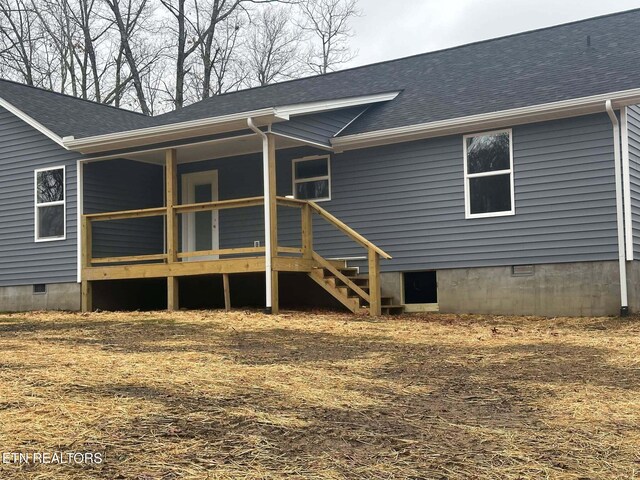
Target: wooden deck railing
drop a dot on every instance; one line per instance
(374, 253)
(305, 251)
(89, 219)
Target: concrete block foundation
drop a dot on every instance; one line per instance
(391, 286)
(58, 296)
(563, 289)
(633, 285)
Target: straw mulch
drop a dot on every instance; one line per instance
(321, 396)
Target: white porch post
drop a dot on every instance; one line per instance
(270, 216)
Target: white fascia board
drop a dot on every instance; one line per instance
(31, 122)
(287, 111)
(171, 131)
(503, 118)
(174, 131)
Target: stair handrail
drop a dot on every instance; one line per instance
(337, 223)
(374, 253)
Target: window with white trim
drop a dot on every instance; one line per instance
(312, 178)
(50, 207)
(488, 174)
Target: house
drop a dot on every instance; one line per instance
(497, 177)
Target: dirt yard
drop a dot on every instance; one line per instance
(244, 395)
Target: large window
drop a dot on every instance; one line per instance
(312, 178)
(488, 174)
(50, 214)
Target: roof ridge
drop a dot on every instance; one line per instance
(423, 54)
(46, 90)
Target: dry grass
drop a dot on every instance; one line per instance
(243, 395)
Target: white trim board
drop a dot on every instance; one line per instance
(189, 181)
(169, 132)
(31, 122)
(487, 121)
(467, 176)
(287, 111)
(626, 183)
(36, 205)
(203, 126)
(326, 177)
(129, 155)
(79, 213)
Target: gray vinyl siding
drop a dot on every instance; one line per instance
(124, 185)
(633, 118)
(22, 260)
(409, 199)
(318, 128)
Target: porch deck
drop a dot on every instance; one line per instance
(355, 292)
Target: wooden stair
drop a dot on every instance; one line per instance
(347, 286)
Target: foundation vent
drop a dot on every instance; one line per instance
(522, 270)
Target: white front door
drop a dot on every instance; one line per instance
(200, 229)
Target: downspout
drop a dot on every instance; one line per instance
(624, 302)
(267, 216)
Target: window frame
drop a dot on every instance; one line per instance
(326, 177)
(36, 205)
(468, 176)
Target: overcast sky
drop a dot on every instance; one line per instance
(398, 28)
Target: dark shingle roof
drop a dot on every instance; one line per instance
(66, 115)
(531, 68)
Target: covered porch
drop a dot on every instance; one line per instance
(187, 230)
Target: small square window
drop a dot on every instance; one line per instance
(488, 174)
(312, 178)
(39, 289)
(50, 207)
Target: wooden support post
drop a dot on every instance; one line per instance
(171, 193)
(87, 240)
(307, 231)
(227, 291)
(86, 296)
(375, 300)
(275, 293)
(173, 293)
(273, 216)
(86, 292)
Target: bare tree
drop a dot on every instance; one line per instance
(273, 47)
(84, 18)
(228, 69)
(20, 38)
(217, 50)
(327, 21)
(130, 53)
(128, 21)
(220, 66)
(196, 23)
(55, 21)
